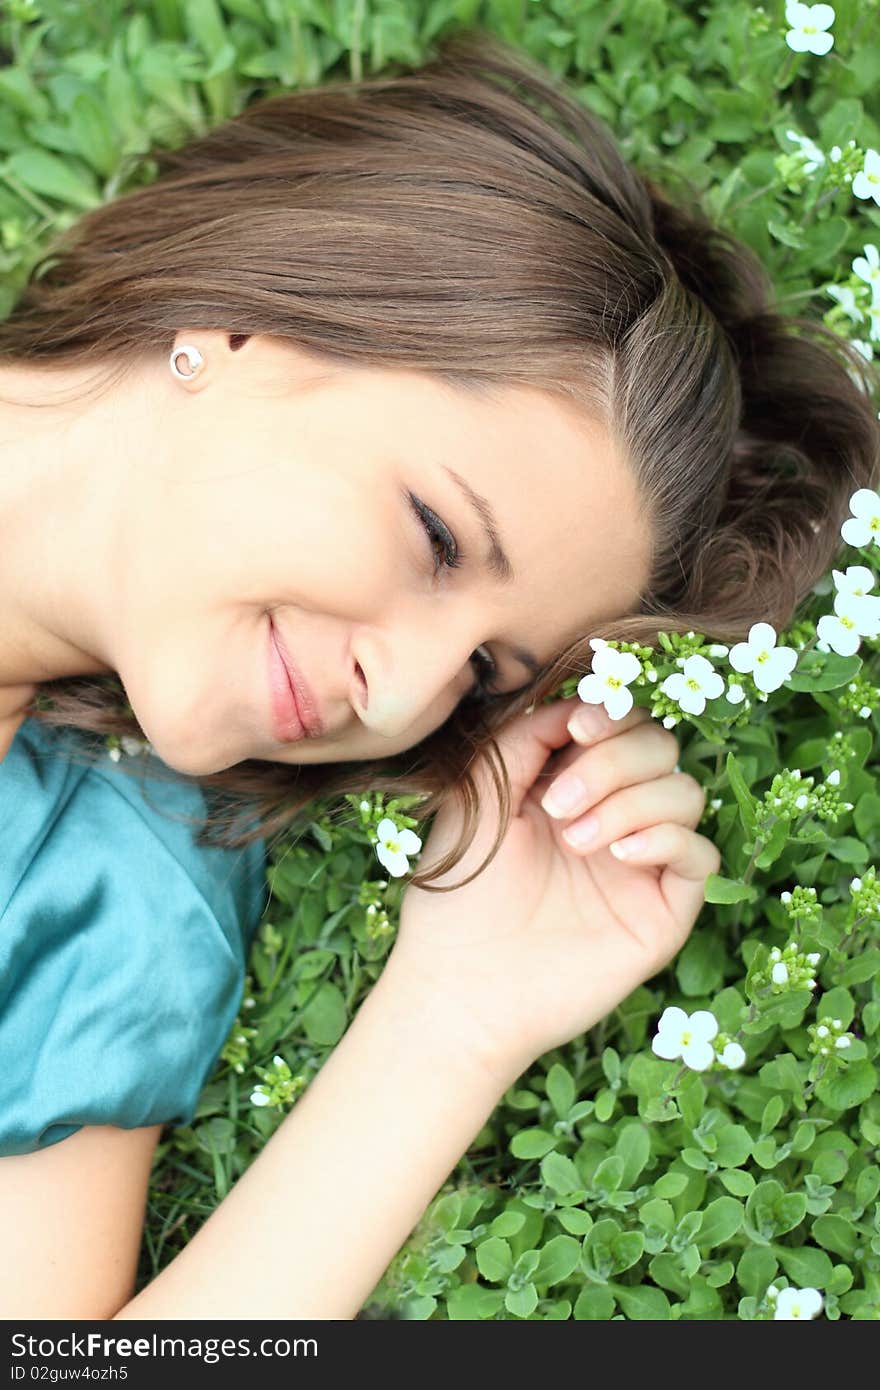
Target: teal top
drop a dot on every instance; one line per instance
(123, 945)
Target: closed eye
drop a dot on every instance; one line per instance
(450, 556)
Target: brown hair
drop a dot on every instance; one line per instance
(438, 220)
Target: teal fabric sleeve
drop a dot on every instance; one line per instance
(123, 945)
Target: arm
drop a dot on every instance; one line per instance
(363, 1152)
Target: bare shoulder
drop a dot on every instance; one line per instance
(72, 1219)
(14, 700)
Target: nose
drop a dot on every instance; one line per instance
(402, 672)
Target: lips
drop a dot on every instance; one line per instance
(306, 704)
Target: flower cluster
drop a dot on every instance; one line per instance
(132, 747)
(237, 1048)
(802, 905)
(787, 969)
(279, 1086)
(865, 894)
(828, 1037)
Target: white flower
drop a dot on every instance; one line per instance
(278, 1061)
(864, 526)
(779, 973)
(365, 806)
(813, 155)
(813, 957)
(866, 184)
(844, 1041)
(394, 845)
(846, 298)
(607, 682)
(259, 1098)
(735, 693)
(114, 754)
(856, 612)
(798, 1303)
(686, 1036)
(833, 778)
(694, 684)
(809, 23)
(770, 666)
(867, 268)
(855, 584)
(133, 746)
(669, 721)
(733, 1056)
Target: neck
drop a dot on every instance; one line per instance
(54, 511)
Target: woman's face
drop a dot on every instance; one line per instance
(272, 484)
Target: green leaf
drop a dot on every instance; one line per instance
(62, 179)
(805, 1266)
(560, 1174)
(740, 1183)
(626, 1250)
(671, 1184)
(721, 1220)
(521, 1302)
(835, 1234)
(507, 1223)
(325, 1018)
(728, 890)
(789, 1212)
(634, 1149)
(734, 1146)
(468, 1302)
(595, 1303)
(746, 802)
(532, 1143)
(643, 1302)
(823, 671)
(756, 1270)
(700, 966)
(849, 1087)
(560, 1089)
(559, 1257)
(494, 1259)
(608, 1176)
(575, 1220)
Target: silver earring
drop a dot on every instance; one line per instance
(193, 356)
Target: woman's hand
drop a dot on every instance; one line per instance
(547, 939)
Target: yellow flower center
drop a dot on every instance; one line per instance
(763, 656)
(686, 1039)
(615, 682)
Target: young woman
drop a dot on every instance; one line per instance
(420, 388)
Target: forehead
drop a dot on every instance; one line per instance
(569, 510)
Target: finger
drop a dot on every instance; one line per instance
(676, 798)
(589, 723)
(687, 859)
(643, 752)
(524, 744)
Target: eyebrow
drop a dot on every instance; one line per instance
(497, 562)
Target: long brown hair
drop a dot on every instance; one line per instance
(437, 220)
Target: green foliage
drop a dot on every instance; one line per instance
(608, 1183)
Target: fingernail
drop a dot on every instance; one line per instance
(584, 725)
(582, 832)
(567, 792)
(631, 845)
